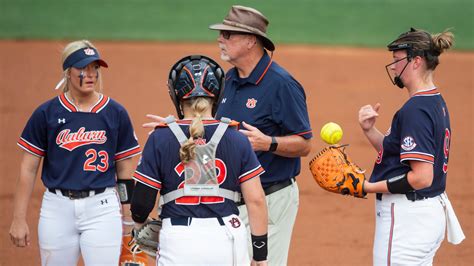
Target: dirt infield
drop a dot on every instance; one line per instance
(337, 82)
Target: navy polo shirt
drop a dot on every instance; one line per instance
(274, 102)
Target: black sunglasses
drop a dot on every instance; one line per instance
(227, 33)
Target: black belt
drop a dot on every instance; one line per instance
(413, 196)
(273, 188)
(186, 221)
(77, 194)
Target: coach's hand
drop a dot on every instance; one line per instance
(259, 141)
(20, 233)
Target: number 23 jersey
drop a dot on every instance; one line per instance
(80, 149)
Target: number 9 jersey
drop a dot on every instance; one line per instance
(79, 148)
(420, 131)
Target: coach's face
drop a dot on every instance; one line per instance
(84, 79)
(233, 44)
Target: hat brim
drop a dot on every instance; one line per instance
(228, 27)
(86, 61)
(267, 43)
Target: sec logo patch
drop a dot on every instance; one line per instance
(408, 143)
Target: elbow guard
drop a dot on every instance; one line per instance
(399, 185)
(125, 190)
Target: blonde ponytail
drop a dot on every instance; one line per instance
(196, 130)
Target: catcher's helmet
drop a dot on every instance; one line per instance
(195, 76)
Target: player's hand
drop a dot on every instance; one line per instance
(367, 116)
(156, 120)
(20, 233)
(259, 141)
(259, 263)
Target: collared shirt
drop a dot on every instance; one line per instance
(420, 131)
(274, 102)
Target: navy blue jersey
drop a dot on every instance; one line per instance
(161, 168)
(79, 148)
(420, 131)
(274, 102)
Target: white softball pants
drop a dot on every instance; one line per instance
(204, 241)
(407, 232)
(90, 226)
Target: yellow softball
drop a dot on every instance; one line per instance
(331, 133)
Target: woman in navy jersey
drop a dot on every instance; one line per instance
(409, 175)
(199, 165)
(85, 140)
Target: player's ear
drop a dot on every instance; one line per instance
(417, 62)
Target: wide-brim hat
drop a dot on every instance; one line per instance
(249, 20)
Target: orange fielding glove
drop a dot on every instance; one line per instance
(334, 171)
(131, 255)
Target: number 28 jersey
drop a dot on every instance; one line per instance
(80, 149)
(161, 169)
(420, 131)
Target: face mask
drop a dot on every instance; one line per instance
(397, 80)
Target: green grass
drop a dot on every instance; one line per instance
(328, 22)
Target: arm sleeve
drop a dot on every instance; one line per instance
(127, 142)
(34, 136)
(416, 136)
(143, 202)
(290, 110)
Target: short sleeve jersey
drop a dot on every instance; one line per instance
(274, 102)
(80, 149)
(161, 168)
(420, 131)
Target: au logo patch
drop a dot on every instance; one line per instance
(234, 222)
(89, 51)
(251, 103)
(408, 143)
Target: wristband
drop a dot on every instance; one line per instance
(260, 247)
(399, 185)
(125, 190)
(273, 145)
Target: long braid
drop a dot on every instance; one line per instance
(196, 130)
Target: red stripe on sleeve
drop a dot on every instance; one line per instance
(304, 133)
(128, 154)
(147, 181)
(408, 156)
(251, 175)
(30, 148)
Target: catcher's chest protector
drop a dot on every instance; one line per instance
(200, 177)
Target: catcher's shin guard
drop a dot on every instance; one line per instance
(131, 255)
